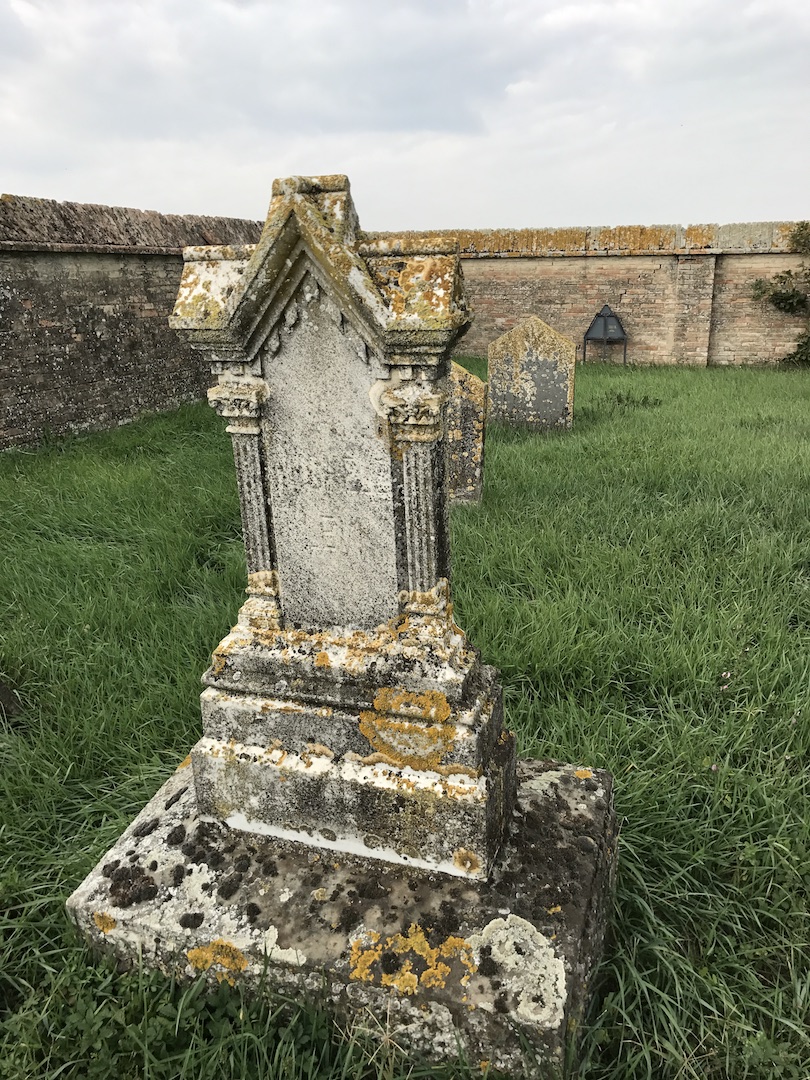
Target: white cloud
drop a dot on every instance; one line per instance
(485, 112)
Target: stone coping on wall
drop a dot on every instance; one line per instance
(32, 224)
(600, 240)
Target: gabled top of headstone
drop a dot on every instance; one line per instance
(533, 336)
(397, 290)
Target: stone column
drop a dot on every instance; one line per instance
(240, 404)
(414, 411)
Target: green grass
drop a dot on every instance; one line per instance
(642, 582)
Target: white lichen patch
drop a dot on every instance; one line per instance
(529, 968)
(274, 952)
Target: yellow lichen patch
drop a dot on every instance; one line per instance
(322, 659)
(403, 980)
(220, 954)
(104, 922)
(421, 964)
(583, 774)
(404, 743)
(700, 236)
(184, 764)
(430, 705)
(366, 950)
(319, 750)
(466, 860)
(554, 910)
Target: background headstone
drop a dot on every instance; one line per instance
(531, 377)
(466, 427)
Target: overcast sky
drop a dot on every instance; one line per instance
(444, 113)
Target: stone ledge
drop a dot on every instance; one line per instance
(496, 971)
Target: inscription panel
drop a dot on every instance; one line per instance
(329, 477)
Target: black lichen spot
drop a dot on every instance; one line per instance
(269, 868)
(176, 836)
(178, 795)
(131, 885)
(338, 889)
(188, 848)
(519, 950)
(153, 866)
(448, 921)
(145, 827)
(191, 920)
(501, 1003)
(488, 967)
(242, 864)
(215, 859)
(108, 868)
(229, 886)
(253, 911)
(371, 890)
(390, 963)
(178, 874)
(348, 920)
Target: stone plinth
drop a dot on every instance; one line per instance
(531, 377)
(466, 425)
(496, 970)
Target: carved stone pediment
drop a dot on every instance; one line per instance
(395, 292)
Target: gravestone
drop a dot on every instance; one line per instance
(352, 823)
(466, 426)
(531, 377)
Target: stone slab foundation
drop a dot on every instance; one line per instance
(494, 971)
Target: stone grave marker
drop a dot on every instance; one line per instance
(531, 377)
(352, 823)
(466, 427)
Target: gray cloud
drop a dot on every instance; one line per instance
(461, 112)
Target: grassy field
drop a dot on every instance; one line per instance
(643, 583)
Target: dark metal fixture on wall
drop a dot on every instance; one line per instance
(607, 328)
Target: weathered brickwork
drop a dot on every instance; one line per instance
(85, 293)
(683, 293)
(566, 293)
(745, 331)
(85, 342)
(85, 296)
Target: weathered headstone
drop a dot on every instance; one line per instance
(531, 377)
(466, 426)
(352, 822)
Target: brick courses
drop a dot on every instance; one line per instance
(85, 294)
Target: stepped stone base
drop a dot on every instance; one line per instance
(493, 971)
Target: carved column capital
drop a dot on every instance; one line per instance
(414, 410)
(239, 403)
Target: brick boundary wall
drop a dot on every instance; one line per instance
(85, 296)
(683, 293)
(86, 291)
